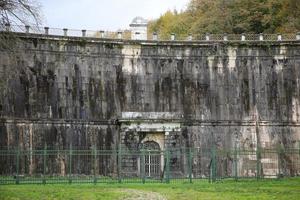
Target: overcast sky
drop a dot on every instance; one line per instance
(103, 14)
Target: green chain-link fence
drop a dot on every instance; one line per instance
(91, 165)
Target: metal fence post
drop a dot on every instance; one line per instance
(167, 166)
(45, 164)
(18, 165)
(94, 151)
(299, 147)
(70, 164)
(210, 166)
(213, 164)
(235, 163)
(258, 157)
(190, 164)
(279, 151)
(119, 164)
(143, 166)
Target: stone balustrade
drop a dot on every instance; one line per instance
(126, 35)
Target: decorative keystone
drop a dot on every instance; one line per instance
(261, 37)
(119, 35)
(65, 31)
(27, 29)
(154, 36)
(83, 33)
(46, 30)
(173, 36)
(279, 37)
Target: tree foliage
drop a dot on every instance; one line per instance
(170, 22)
(231, 16)
(17, 12)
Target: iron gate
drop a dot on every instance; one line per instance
(152, 160)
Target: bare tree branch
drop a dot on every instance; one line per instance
(21, 11)
(17, 12)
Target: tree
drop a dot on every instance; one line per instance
(24, 12)
(289, 16)
(19, 12)
(234, 16)
(210, 16)
(170, 22)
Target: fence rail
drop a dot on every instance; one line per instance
(91, 165)
(126, 35)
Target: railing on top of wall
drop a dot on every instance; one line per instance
(126, 35)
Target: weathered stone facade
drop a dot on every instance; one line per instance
(63, 91)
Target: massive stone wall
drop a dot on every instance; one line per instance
(60, 90)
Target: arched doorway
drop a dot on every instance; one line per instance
(152, 159)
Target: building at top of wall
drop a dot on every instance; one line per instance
(138, 28)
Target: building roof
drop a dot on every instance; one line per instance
(139, 21)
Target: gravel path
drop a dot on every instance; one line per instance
(142, 195)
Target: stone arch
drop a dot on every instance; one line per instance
(158, 138)
(151, 145)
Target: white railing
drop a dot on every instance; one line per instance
(126, 35)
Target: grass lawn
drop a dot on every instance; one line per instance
(226, 190)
